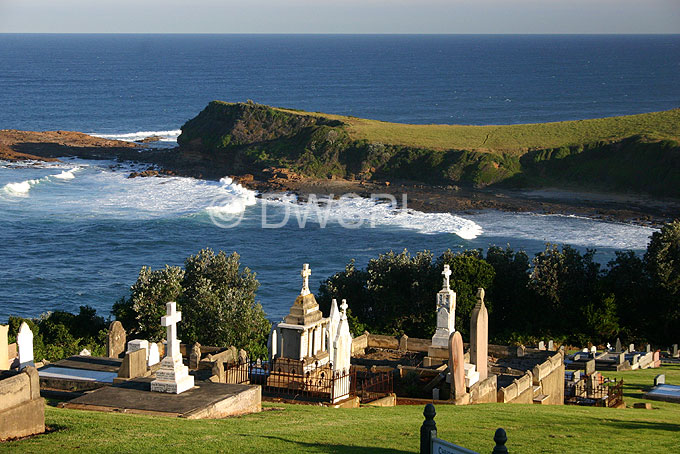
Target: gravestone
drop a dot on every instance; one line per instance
(631, 348)
(154, 355)
(660, 380)
(676, 354)
(138, 344)
(334, 322)
(593, 350)
(173, 376)
(456, 365)
(342, 345)
(435, 393)
(446, 312)
(133, 365)
(115, 340)
(648, 348)
(551, 345)
(25, 346)
(195, 356)
(590, 367)
(4, 350)
(521, 351)
(479, 336)
(85, 352)
(541, 345)
(618, 348)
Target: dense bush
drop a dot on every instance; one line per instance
(216, 297)
(59, 334)
(561, 293)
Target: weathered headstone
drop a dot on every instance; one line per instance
(618, 348)
(541, 345)
(593, 350)
(333, 323)
(115, 340)
(551, 345)
(195, 356)
(631, 348)
(446, 312)
(660, 380)
(590, 367)
(154, 355)
(342, 345)
(173, 376)
(138, 344)
(521, 351)
(134, 364)
(648, 348)
(479, 336)
(457, 365)
(25, 346)
(4, 351)
(85, 352)
(675, 352)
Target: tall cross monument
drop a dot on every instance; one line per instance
(446, 312)
(305, 273)
(173, 376)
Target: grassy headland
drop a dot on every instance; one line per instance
(630, 154)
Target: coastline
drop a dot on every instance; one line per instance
(611, 207)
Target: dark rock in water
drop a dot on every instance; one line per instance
(145, 173)
(149, 139)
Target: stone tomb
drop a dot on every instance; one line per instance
(203, 401)
(445, 308)
(303, 335)
(79, 374)
(22, 410)
(173, 376)
(665, 393)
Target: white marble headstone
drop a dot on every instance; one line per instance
(154, 355)
(25, 346)
(138, 344)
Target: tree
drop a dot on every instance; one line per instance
(216, 297)
(628, 281)
(662, 262)
(513, 305)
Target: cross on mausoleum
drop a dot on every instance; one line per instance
(170, 321)
(344, 306)
(446, 273)
(306, 272)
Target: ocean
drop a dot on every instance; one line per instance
(78, 232)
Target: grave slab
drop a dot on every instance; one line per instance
(665, 393)
(206, 400)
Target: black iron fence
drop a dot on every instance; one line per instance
(609, 393)
(291, 379)
(373, 386)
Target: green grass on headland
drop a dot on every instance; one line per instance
(311, 429)
(637, 153)
(512, 138)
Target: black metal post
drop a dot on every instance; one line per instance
(428, 429)
(500, 438)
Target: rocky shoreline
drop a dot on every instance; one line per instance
(628, 208)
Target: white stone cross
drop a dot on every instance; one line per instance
(306, 272)
(170, 321)
(344, 306)
(446, 273)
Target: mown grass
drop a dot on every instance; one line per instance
(312, 429)
(511, 138)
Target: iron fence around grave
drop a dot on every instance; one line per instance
(373, 386)
(606, 394)
(287, 378)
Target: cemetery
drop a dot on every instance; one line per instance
(314, 359)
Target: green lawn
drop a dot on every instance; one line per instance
(511, 138)
(311, 429)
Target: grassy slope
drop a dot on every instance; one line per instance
(310, 429)
(511, 138)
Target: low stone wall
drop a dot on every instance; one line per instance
(521, 391)
(485, 391)
(22, 410)
(359, 344)
(549, 375)
(379, 341)
(405, 343)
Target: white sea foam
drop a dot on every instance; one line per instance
(20, 188)
(166, 138)
(356, 212)
(66, 174)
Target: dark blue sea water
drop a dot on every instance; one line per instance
(72, 237)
